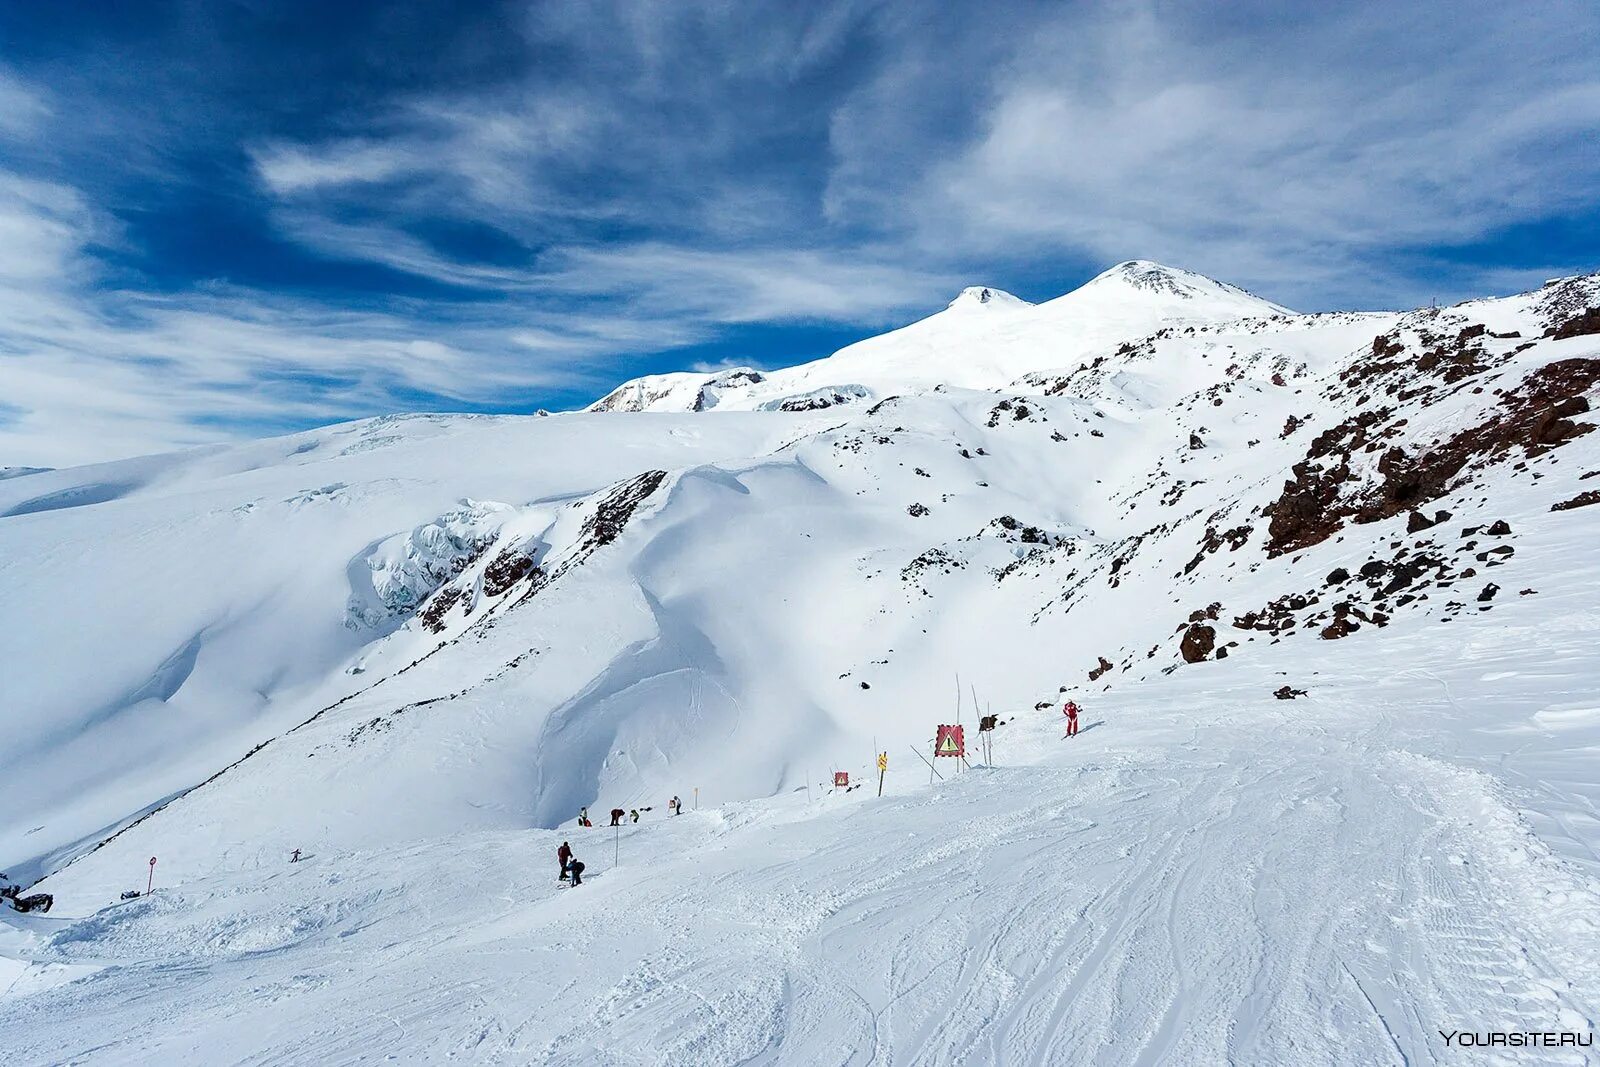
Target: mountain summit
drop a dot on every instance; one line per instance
(984, 339)
(987, 296)
(1172, 292)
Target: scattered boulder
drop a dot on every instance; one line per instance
(917, 511)
(1498, 528)
(1105, 665)
(1342, 626)
(1198, 642)
(1488, 593)
(1417, 521)
(1288, 692)
(1195, 442)
(1338, 576)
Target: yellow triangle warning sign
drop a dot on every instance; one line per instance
(947, 745)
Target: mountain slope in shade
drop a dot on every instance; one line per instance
(984, 339)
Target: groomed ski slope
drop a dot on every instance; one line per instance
(1205, 875)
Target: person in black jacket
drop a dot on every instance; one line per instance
(577, 872)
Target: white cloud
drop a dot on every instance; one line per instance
(23, 108)
(291, 169)
(1118, 137)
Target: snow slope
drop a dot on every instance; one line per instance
(164, 615)
(458, 632)
(1205, 875)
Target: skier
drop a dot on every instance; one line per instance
(564, 854)
(583, 817)
(634, 814)
(616, 816)
(577, 872)
(295, 857)
(1071, 712)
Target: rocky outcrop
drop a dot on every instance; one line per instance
(1582, 324)
(1198, 642)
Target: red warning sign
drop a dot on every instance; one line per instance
(950, 742)
(841, 779)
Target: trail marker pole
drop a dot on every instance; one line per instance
(616, 846)
(149, 883)
(883, 765)
(931, 767)
(696, 798)
(958, 716)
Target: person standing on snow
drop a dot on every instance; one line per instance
(616, 816)
(676, 805)
(577, 872)
(635, 814)
(1071, 712)
(583, 816)
(564, 854)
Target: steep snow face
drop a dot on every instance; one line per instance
(163, 615)
(393, 579)
(984, 339)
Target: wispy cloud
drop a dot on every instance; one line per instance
(519, 203)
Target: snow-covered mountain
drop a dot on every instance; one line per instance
(985, 339)
(1324, 585)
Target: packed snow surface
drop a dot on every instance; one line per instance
(1324, 585)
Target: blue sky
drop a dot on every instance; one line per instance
(231, 219)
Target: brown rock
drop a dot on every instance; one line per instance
(1198, 641)
(1582, 500)
(1343, 626)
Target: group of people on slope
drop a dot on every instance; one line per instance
(572, 868)
(632, 814)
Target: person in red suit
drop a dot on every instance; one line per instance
(1071, 712)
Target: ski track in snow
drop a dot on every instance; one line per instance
(1243, 883)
